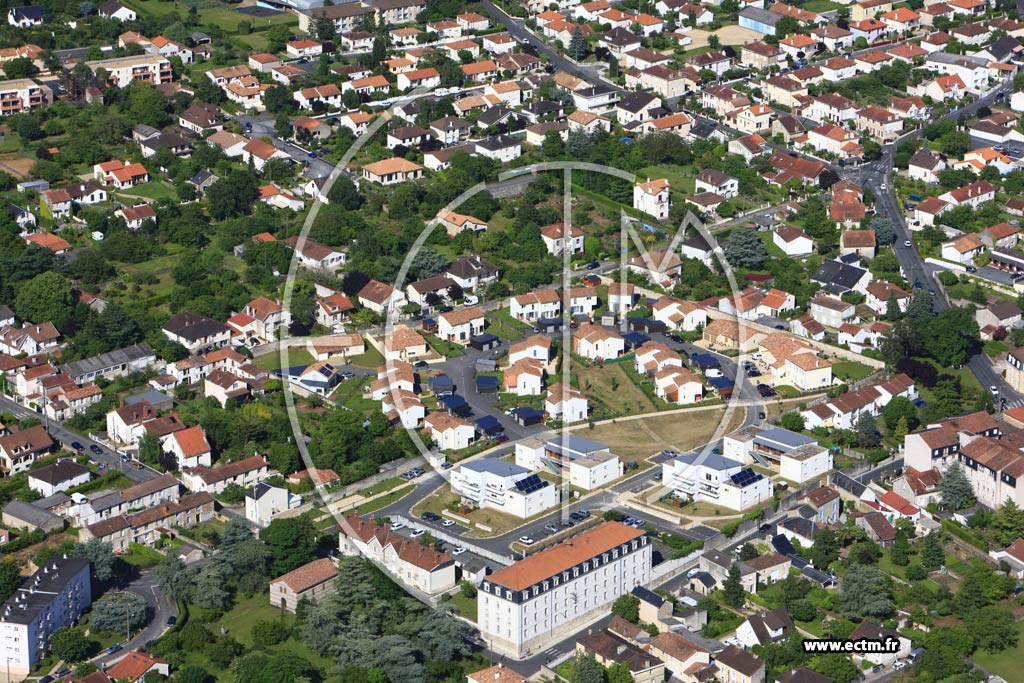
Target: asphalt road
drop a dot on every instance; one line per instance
(874, 176)
(461, 370)
(65, 437)
(160, 607)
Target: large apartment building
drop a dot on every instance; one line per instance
(542, 598)
(716, 479)
(54, 597)
(23, 94)
(123, 70)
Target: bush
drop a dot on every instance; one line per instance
(269, 633)
(916, 572)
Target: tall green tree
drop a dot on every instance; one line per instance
(732, 589)
(577, 46)
(628, 607)
(45, 298)
(291, 541)
(932, 554)
(955, 489)
(866, 594)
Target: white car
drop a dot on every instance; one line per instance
(906, 243)
(397, 526)
(448, 522)
(526, 540)
(416, 533)
(458, 550)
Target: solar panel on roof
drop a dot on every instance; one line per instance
(531, 483)
(782, 545)
(745, 477)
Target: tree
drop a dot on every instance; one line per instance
(19, 67)
(45, 298)
(585, 669)
(892, 308)
(174, 578)
(899, 408)
(748, 552)
(105, 564)
(10, 578)
(732, 589)
(825, 549)
(745, 249)
(278, 100)
(628, 607)
(900, 551)
(291, 541)
(793, 421)
(190, 674)
(267, 633)
(70, 644)
(1008, 523)
(444, 637)
(950, 336)
(324, 29)
(211, 588)
(865, 595)
(884, 233)
(992, 629)
(932, 554)
(119, 611)
(837, 667)
(577, 46)
(867, 431)
(233, 195)
(921, 306)
(955, 489)
(344, 193)
(714, 42)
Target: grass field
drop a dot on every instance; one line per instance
(383, 501)
(350, 393)
(848, 370)
(1007, 662)
(680, 182)
(211, 13)
(641, 438)
(141, 556)
(820, 6)
(385, 485)
(612, 391)
(463, 605)
(157, 189)
(272, 360)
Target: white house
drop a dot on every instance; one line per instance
(598, 343)
(449, 433)
(652, 197)
(504, 486)
(566, 403)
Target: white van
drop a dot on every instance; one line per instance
(471, 300)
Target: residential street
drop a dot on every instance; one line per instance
(65, 437)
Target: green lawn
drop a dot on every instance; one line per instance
(141, 556)
(850, 371)
(350, 393)
(385, 485)
(1007, 662)
(272, 360)
(678, 180)
(449, 349)
(820, 5)
(463, 605)
(503, 317)
(384, 501)
(371, 359)
(994, 349)
(229, 19)
(157, 189)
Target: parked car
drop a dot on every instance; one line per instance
(172, 620)
(96, 449)
(458, 550)
(526, 540)
(116, 647)
(77, 446)
(431, 516)
(446, 465)
(346, 374)
(551, 528)
(420, 364)
(397, 526)
(448, 522)
(416, 533)
(593, 265)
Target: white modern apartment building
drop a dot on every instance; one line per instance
(716, 479)
(524, 607)
(23, 94)
(798, 457)
(494, 483)
(123, 70)
(54, 597)
(587, 464)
